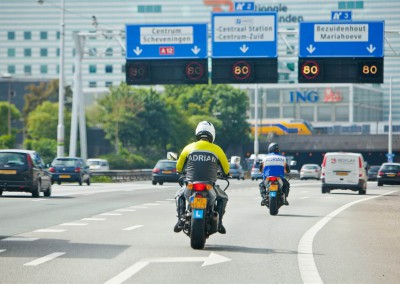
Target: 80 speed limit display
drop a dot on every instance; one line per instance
(340, 70)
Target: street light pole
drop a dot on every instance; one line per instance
(60, 126)
(8, 77)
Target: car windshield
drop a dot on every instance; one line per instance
(65, 162)
(391, 167)
(93, 163)
(310, 167)
(166, 164)
(12, 158)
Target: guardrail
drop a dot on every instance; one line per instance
(124, 175)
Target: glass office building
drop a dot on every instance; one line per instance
(30, 39)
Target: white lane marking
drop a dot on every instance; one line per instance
(125, 210)
(211, 259)
(151, 204)
(44, 259)
(138, 207)
(163, 201)
(39, 199)
(304, 197)
(132, 228)
(110, 214)
(305, 257)
(93, 219)
(20, 239)
(73, 224)
(170, 199)
(49, 231)
(2, 250)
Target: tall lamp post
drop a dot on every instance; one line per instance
(60, 126)
(8, 77)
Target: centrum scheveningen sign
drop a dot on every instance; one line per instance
(355, 39)
(166, 41)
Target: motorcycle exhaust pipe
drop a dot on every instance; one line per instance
(214, 221)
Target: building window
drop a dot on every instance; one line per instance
(109, 52)
(108, 84)
(43, 52)
(123, 67)
(58, 35)
(43, 69)
(272, 112)
(58, 69)
(342, 113)
(28, 69)
(27, 52)
(149, 9)
(11, 52)
(307, 113)
(43, 35)
(92, 69)
(109, 68)
(351, 4)
(324, 113)
(27, 35)
(11, 35)
(92, 84)
(11, 69)
(58, 51)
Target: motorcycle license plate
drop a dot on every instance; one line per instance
(199, 203)
(272, 193)
(273, 187)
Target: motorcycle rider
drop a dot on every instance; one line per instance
(201, 161)
(274, 164)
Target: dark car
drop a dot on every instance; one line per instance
(236, 171)
(373, 172)
(164, 171)
(23, 171)
(389, 173)
(69, 170)
(255, 170)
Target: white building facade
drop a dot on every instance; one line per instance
(30, 37)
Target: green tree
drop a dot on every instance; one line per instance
(42, 124)
(15, 114)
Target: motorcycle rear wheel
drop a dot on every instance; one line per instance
(197, 233)
(273, 205)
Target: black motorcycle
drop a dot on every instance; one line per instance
(275, 197)
(201, 217)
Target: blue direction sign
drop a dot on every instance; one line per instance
(341, 15)
(168, 41)
(244, 6)
(341, 39)
(244, 35)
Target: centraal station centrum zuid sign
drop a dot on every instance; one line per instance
(244, 47)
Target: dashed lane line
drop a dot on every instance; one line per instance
(19, 239)
(132, 228)
(49, 231)
(93, 219)
(73, 224)
(44, 259)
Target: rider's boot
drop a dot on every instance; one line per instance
(181, 213)
(263, 193)
(221, 205)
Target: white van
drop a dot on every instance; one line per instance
(341, 170)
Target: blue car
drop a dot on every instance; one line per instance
(69, 170)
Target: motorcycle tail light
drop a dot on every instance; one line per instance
(272, 178)
(199, 186)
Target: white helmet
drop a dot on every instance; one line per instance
(205, 129)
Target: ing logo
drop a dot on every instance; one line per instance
(220, 5)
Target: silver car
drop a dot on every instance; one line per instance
(310, 171)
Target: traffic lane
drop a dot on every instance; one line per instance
(362, 244)
(21, 213)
